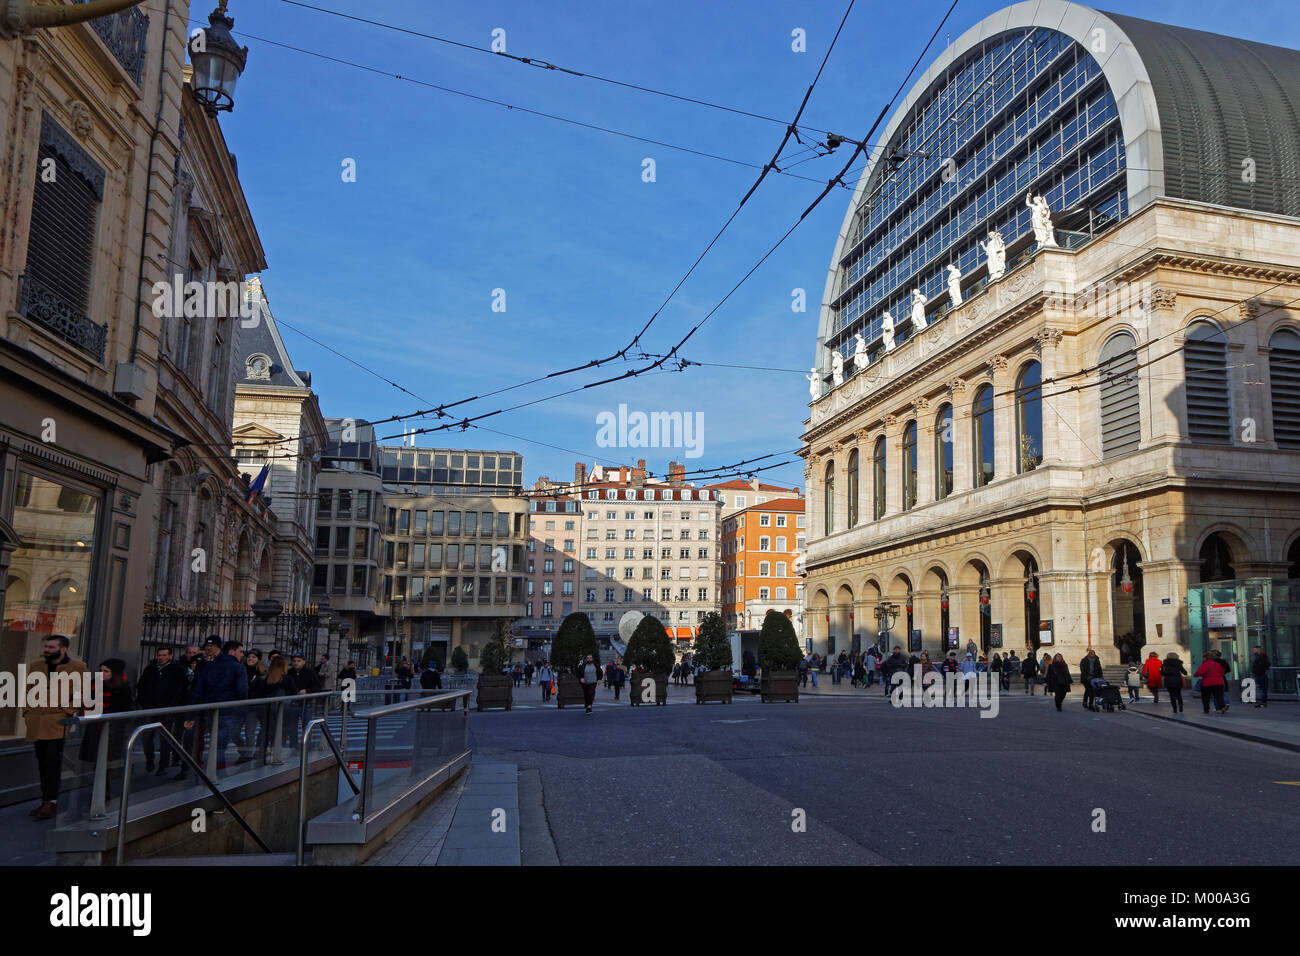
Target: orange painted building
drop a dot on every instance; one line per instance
(762, 549)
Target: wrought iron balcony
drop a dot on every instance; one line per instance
(125, 34)
(42, 304)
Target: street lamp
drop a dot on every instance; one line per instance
(886, 615)
(218, 61)
(21, 17)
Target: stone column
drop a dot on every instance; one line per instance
(893, 465)
(266, 612)
(1166, 624)
(1053, 401)
(925, 461)
(961, 436)
(1005, 442)
(963, 614)
(1008, 604)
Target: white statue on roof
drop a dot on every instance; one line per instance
(814, 384)
(887, 331)
(996, 251)
(919, 302)
(954, 285)
(1044, 234)
(837, 368)
(860, 352)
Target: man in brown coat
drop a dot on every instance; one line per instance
(44, 729)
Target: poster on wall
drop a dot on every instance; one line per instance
(914, 642)
(954, 636)
(1045, 635)
(1221, 615)
(995, 635)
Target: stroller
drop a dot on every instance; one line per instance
(1105, 696)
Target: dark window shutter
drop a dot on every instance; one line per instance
(1284, 385)
(1209, 413)
(1121, 417)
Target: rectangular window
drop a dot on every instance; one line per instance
(360, 543)
(435, 590)
(780, 543)
(326, 504)
(704, 594)
(780, 569)
(566, 588)
(403, 519)
(453, 522)
(421, 522)
(780, 521)
(764, 544)
(764, 521)
(435, 522)
(453, 555)
(435, 556)
(764, 569)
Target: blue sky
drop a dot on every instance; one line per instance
(455, 198)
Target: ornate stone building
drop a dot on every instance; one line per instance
(1052, 456)
(89, 137)
(213, 545)
(278, 423)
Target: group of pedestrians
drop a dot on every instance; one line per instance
(212, 673)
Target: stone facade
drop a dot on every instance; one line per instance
(1096, 542)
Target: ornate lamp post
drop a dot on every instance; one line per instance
(218, 62)
(886, 616)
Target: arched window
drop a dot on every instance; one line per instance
(878, 479)
(982, 428)
(828, 499)
(943, 453)
(1284, 386)
(1205, 361)
(1029, 418)
(1216, 560)
(909, 466)
(853, 488)
(1120, 406)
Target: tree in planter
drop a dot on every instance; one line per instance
(650, 650)
(778, 647)
(459, 660)
(712, 650)
(574, 640)
(494, 656)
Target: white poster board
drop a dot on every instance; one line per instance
(1221, 616)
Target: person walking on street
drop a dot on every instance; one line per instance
(528, 674)
(1058, 679)
(620, 678)
(589, 677)
(1010, 670)
(1043, 669)
(813, 668)
(45, 730)
(1151, 673)
(1259, 665)
(1173, 674)
(162, 685)
(222, 679)
(1133, 680)
(1089, 670)
(544, 677)
(803, 672)
(1212, 683)
(896, 662)
(348, 672)
(1029, 671)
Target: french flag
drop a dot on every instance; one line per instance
(257, 484)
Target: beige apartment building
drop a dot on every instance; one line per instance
(1054, 458)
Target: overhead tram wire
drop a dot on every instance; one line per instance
(622, 353)
(546, 65)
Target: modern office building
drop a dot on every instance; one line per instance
(454, 538)
(1094, 411)
(761, 549)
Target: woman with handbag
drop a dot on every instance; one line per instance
(1058, 679)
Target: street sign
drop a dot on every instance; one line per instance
(1221, 615)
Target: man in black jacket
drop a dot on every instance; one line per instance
(1089, 668)
(1029, 671)
(163, 684)
(895, 662)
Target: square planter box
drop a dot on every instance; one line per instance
(781, 685)
(638, 683)
(713, 685)
(569, 691)
(494, 690)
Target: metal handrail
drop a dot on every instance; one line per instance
(194, 764)
(371, 716)
(188, 708)
(302, 775)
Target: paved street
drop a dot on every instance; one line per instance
(687, 784)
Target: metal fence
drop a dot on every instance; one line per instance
(293, 631)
